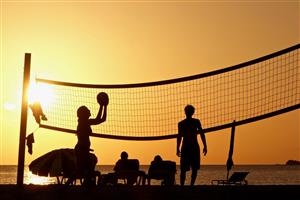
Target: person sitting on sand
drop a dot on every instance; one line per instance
(128, 169)
(121, 163)
(162, 170)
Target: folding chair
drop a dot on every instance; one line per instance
(164, 170)
(130, 173)
(237, 178)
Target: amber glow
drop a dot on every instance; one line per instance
(40, 92)
(36, 180)
(116, 42)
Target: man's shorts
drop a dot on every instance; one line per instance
(189, 160)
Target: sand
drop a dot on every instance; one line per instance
(60, 192)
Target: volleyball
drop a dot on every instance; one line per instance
(102, 98)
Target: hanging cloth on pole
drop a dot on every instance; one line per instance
(229, 163)
(37, 112)
(29, 142)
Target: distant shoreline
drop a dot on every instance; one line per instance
(177, 164)
(259, 174)
(53, 192)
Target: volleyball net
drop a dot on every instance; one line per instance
(247, 92)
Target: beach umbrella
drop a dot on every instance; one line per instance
(56, 163)
(229, 163)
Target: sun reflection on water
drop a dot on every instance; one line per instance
(30, 178)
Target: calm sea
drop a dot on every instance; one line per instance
(259, 174)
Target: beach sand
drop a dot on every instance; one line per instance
(60, 192)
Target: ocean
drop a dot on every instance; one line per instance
(259, 174)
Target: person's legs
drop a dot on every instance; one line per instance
(195, 165)
(184, 167)
(78, 171)
(87, 169)
(194, 176)
(83, 167)
(182, 177)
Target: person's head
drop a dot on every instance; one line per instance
(189, 110)
(83, 113)
(157, 158)
(124, 155)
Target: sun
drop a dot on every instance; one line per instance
(41, 92)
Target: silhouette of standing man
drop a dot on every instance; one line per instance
(188, 129)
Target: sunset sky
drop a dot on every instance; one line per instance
(116, 42)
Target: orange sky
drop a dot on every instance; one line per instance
(139, 41)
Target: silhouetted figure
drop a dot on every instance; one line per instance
(121, 163)
(128, 170)
(188, 129)
(82, 147)
(157, 159)
(164, 170)
(124, 165)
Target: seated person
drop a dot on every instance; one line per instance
(162, 170)
(121, 163)
(128, 169)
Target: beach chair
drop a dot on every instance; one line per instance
(237, 178)
(164, 170)
(130, 173)
(95, 178)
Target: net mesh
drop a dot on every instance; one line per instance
(153, 110)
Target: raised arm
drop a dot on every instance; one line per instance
(100, 117)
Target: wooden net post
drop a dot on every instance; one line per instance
(23, 124)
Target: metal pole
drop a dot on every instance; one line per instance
(23, 126)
